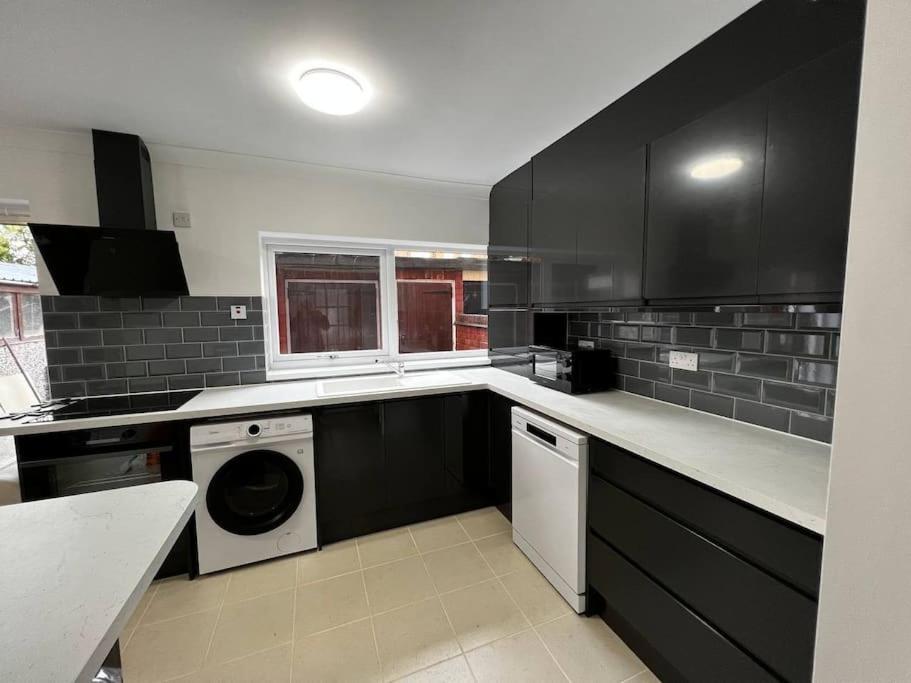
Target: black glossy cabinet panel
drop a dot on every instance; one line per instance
(413, 437)
(508, 330)
(673, 641)
(350, 467)
(809, 164)
(588, 219)
(705, 204)
(508, 269)
(387, 464)
(500, 449)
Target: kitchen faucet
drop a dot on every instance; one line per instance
(398, 367)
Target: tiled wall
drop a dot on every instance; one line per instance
(777, 370)
(98, 346)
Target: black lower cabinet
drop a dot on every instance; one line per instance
(500, 449)
(696, 582)
(386, 464)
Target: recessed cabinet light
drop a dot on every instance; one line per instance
(716, 167)
(331, 91)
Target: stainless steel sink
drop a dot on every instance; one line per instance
(378, 384)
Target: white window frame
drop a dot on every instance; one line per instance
(311, 365)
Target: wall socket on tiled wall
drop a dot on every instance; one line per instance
(98, 346)
(777, 370)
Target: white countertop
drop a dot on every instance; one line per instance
(779, 473)
(72, 571)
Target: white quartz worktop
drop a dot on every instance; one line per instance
(782, 474)
(73, 570)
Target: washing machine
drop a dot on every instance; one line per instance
(257, 489)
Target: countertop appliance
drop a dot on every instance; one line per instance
(572, 371)
(257, 496)
(549, 494)
(126, 256)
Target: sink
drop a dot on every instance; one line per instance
(387, 383)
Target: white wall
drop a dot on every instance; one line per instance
(865, 602)
(232, 197)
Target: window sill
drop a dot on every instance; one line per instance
(374, 368)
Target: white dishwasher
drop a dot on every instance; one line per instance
(549, 491)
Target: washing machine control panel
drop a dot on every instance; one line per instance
(250, 430)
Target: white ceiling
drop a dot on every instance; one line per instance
(465, 90)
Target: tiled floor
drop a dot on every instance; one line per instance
(448, 600)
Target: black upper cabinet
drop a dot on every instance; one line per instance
(508, 273)
(705, 205)
(809, 164)
(588, 219)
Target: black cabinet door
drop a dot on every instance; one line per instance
(465, 445)
(609, 216)
(508, 270)
(415, 450)
(552, 240)
(350, 467)
(705, 203)
(809, 164)
(500, 449)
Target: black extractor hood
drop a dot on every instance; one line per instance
(126, 256)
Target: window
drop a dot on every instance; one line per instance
(20, 315)
(30, 321)
(347, 306)
(7, 316)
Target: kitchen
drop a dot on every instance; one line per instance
(574, 421)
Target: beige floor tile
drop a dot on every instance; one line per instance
(397, 583)
(386, 546)
(438, 533)
(502, 554)
(483, 613)
(537, 599)
(644, 677)
(520, 657)
(133, 621)
(485, 522)
(261, 579)
(333, 602)
(589, 651)
(413, 638)
(252, 625)
(168, 649)
(453, 670)
(181, 596)
(457, 567)
(332, 560)
(271, 665)
(347, 653)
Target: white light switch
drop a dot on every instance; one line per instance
(181, 219)
(238, 312)
(684, 361)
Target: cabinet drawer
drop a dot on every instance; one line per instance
(763, 615)
(793, 554)
(675, 642)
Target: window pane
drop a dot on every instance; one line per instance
(328, 303)
(30, 314)
(7, 319)
(442, 300)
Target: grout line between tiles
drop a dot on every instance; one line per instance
(221, 607)
(376, 644)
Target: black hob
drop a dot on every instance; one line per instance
(100, 406)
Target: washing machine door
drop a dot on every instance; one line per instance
(255, 492)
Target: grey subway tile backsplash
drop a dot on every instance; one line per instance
(107, 345)
(777, 370)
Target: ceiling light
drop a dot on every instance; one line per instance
(716, 167)
(331, 91)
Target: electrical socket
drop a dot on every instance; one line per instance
(586, 344)
(180, 219)
(238, 312)
(684, 361)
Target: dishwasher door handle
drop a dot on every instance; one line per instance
(550, 449)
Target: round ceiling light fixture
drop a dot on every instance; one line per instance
(331, 91)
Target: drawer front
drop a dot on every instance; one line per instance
(764, 616)
(790, 553)
(679, 646)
